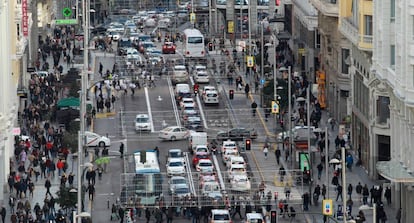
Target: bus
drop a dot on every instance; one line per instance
(148, 179)
(193, 42)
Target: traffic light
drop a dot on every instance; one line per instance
(231, 94)
(210, 46)
(273, 217)
(143, 157)
(248, 144)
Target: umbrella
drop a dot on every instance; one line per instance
(102, 160)
(334, 161)
(300, 99)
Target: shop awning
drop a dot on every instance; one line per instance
(394, 171)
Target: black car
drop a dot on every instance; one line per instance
(237, 134)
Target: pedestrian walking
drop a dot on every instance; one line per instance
(282, 173)
(147, 215)
(320, 168)
(306, 200)
(349, 190)
(48, 185)
(287, 191)
(121, 149)
(398, 216)
(265, 151)
(365, 194)
(91, 191)
(278, 154)
(100, 171)
(358, 190)
(254, 106)
(3, 214)
(12, 203)
(71, 178)
(170, 214)
(387, 195)
(292, 213)
(247, 90)
(121, 214)
(339, 192)
(324, 191)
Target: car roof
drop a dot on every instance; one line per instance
(205, 161)
(219, 211)
(142, 116)
(237, 166)
(174, 150)
(254, 216)
(237, 158)
(175, 159)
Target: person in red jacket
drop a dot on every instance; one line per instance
(60, 166)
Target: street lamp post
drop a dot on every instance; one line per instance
(343, 183)
(261, 64)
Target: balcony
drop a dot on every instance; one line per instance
(326, 7)
(351, 32)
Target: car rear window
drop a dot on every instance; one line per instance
(221, 217)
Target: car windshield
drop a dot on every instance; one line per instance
(221, 217)
(176, 164)
(179, 181)
(202, 156)
(205, 164)
(175, 154)
(142, 120)
(182, 190)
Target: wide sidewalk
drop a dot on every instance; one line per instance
(358, 174)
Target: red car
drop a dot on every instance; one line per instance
(198, 156)
(168, 48)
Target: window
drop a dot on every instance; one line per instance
(392, 7)
(354, 9)
(392, 56)
(346, 61)
(383, 110)
(368, 25)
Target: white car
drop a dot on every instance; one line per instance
(201, 148)
(93, 139)
(199, 68)
(132, 54)
(142, 122)
(201, 77)
(212, 190)
(228, 153)
(228, 145)
(187, 102)
(174, 133)
(240, 183)
(205, 166)
(175, 181)
(175, 167)
(176, 153)
(236, 169)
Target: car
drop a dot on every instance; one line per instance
(145, 45)
(182, 190)
(240, 183)
(142, 122)
(193, 122)
(93, 139)
(175, 166)
(237, 134)
(201, 148)
(199, 156)
(132, 54)
(228, 153)
(236, 169)
(228, 145)
(199, 68)
(220, 216)
(212, 190)
(187, 102)
(236, 160)
(210, 97)
(205, 166)
(168, 48)
(174, 181)
(201, 77)
(174, 133)
(188, 111)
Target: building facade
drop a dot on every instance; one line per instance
(393, 69)
(334, 59)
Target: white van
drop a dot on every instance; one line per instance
(182, 91)
(180, 74)
(210, 98)
(195, 139)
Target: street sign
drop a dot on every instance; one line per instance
(192, 17)
(66, 21)
(327, 208)
(230, 26)
(275, 107)
(67, 12)
(250, 61)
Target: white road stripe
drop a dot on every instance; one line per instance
(149, 108)
(199, 105)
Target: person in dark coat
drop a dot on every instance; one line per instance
(147, 215)
(306, 200)
(387, 195)
(278, 154)
(121, 214)
(3, 214)
(170, 214)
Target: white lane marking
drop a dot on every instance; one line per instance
(149, 108)
(199, 105)
(220, 177)
(174, 103)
